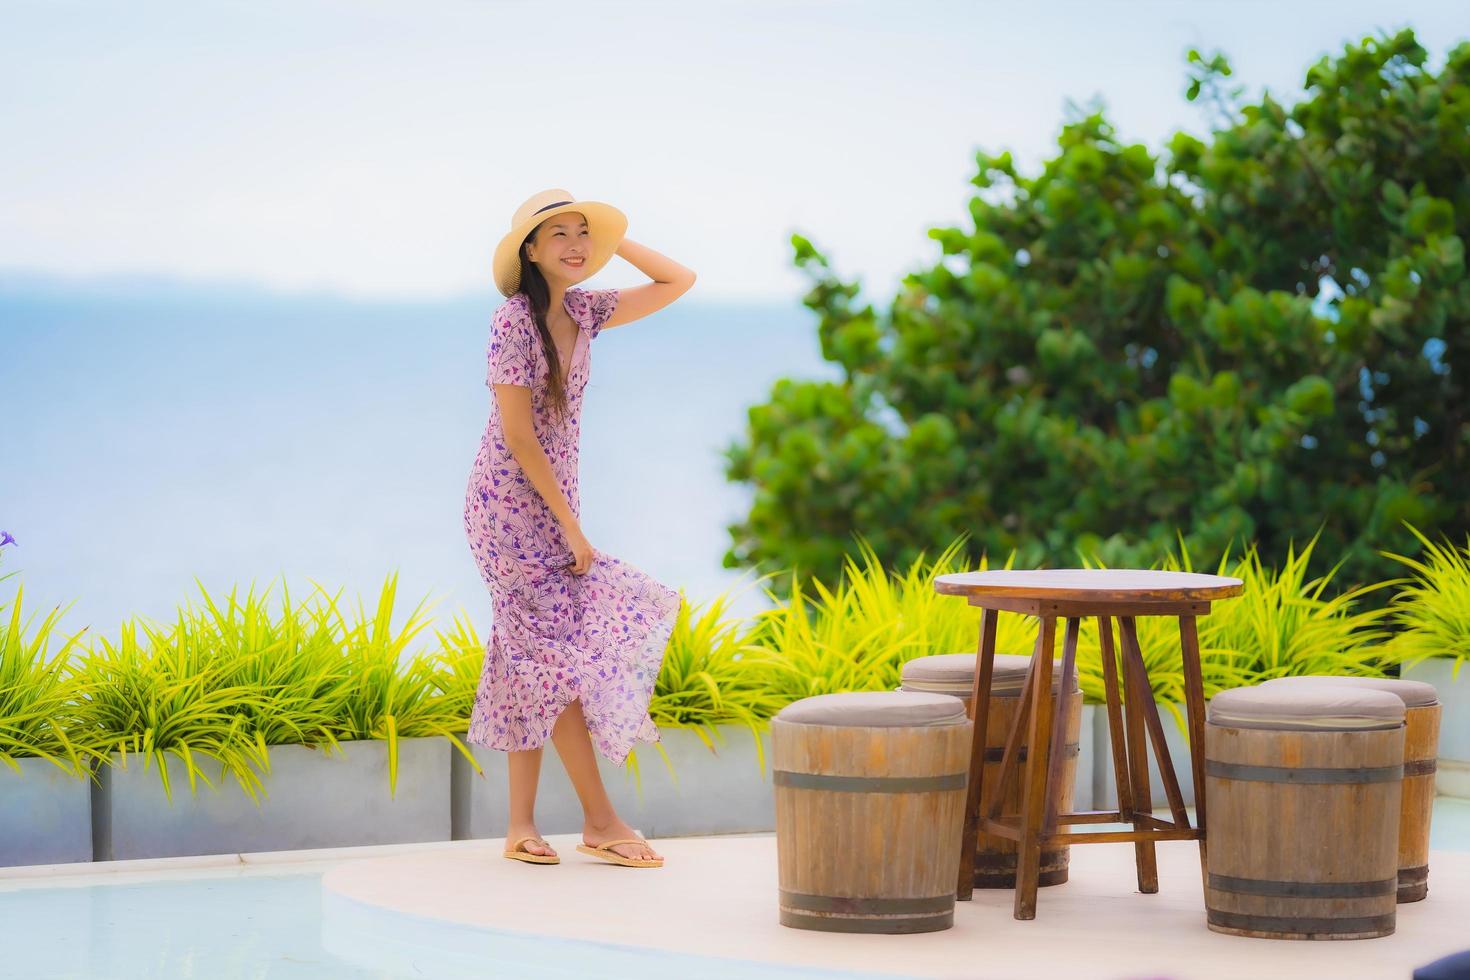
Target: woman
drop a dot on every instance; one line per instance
(578, 636)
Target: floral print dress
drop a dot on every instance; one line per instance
(555, 636)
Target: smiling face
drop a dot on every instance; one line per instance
(561, 247)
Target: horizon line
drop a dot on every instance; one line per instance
(55, 284)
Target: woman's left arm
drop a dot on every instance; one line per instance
(670, 281)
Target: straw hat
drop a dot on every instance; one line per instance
(605, 226)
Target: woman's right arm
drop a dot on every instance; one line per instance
(510, 373)
(520, 438)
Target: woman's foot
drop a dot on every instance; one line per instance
(594, 835)
(533, 846)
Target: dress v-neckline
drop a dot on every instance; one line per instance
(576, 341)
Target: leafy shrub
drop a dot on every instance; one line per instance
(1246, 338)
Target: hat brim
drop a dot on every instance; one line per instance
(605, 224)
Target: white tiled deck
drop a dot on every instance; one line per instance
(716, 896)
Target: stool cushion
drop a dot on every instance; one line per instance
(875, 709)
(954, 674)
(1414, 694)
(1302, 707)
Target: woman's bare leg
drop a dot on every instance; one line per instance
(525, 770)
(600, 822)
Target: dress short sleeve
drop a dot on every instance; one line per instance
(600, 306)
(512, 356)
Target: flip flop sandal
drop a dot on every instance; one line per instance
(603, 851)
(517, 853)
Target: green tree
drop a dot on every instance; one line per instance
(1241, 339)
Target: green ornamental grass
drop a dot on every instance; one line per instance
(393, 694)
(1282, 623)
(1287, 624)
(223, 684)
(211, 692)
(713, 674)
(1433, 608)
(458, 658)
(857, 635)
(39, 694)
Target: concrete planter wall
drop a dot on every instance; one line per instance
(1084, 795)
(311, 799)
(1105, 793)
(1452, 771)
(319, 800)
(719, 792)
(45, 815)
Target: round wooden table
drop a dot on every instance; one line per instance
(1071, 594)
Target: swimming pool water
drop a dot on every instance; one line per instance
(258, 925)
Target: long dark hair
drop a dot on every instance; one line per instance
(533, 284)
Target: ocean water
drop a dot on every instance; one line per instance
(154, 433)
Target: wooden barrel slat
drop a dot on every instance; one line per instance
(1303, 858)
(867, 825)
(1421, 746)
(995, 857)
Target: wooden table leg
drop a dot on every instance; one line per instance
(1155, 729)
(1194, 699)
(1061, 724)
(1033, 791)
(1137, 689)
(980, 712)
(1122, 783)
(999, 790)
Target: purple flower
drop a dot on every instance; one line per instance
(5, 538)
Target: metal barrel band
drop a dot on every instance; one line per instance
(1419, 767)
(997, 753)
(871, 784)
(1004, 879)
(1302, 924)
(932, 905)
(892, 925)
(1303, 889)
(1286, 774)
(1414, 876)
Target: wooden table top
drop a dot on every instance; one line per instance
(1095, 584)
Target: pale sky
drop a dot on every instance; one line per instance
(378, 149)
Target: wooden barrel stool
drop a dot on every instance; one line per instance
(954, 674)
(1304, 785)
(870, 799)
(1421, 748)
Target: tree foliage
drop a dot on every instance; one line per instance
(1245, 338)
